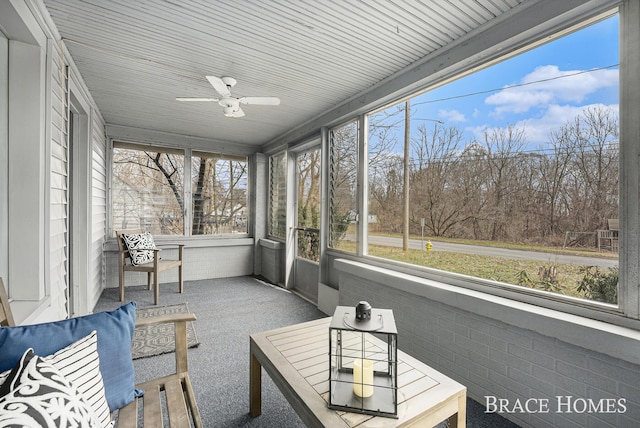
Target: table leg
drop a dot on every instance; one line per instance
(459, 419)
(255, 387)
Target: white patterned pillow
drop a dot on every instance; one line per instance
(80, 364)
(36, 394)
(140, 247)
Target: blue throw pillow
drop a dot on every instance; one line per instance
(115, 333)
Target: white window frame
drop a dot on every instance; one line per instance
(188, 154)
(627, 313)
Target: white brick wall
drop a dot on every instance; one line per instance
(202, 262)
(494, 358)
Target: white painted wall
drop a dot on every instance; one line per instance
(202, 260)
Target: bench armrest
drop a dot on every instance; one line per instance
(164, 319)
(180, 321)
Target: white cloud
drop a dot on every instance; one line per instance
(548, 84)
(537, 130)
(452, 116)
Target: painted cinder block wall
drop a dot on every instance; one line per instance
(496, 359)
(219, 260)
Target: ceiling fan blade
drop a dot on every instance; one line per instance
(219, 85)
(260, 101)
(196, 99)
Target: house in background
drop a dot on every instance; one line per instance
(84, 82)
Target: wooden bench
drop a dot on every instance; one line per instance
(609, 238)
(158, 265)
(6, 317)
(180, 398)
(178, 392)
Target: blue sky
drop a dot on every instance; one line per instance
(538, 108)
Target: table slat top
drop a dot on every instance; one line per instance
(305, 349)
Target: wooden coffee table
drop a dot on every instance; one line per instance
(297, 360)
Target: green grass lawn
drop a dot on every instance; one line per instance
(487, 267)
(555, 277)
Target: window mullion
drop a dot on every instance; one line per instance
(188, 193)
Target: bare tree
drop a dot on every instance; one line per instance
(503, 147)
(596, 166)
(554, 168)
(435, 195)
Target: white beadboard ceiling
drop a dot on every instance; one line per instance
(137, 56)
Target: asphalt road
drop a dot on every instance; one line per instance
(416, 244)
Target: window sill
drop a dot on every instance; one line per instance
(616, 341)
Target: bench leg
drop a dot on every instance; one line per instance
(255, 387)
(121, 280)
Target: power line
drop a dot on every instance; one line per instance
(488, 91)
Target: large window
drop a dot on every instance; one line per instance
(150, 191)
(219, 188)
(508, 175)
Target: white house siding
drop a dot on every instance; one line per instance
(55, 146)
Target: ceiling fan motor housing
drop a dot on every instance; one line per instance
(228, 111)
(229, 81)
(229, 106)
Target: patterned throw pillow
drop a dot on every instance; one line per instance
(140, 247)
(79, 363)
(115, 334)
(36, 394)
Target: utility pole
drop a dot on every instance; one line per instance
(405, 193)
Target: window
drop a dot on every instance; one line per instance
(308, 201)
(149, 191)
(343, 186)
(521, 157)
(219, 194)
(278, 195)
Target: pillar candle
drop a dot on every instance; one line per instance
(363, 377)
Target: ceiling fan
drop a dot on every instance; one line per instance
(231, 105)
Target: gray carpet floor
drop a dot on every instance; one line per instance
(228, 311)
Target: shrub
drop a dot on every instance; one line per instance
(599, 285)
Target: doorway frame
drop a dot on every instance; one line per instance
(79, 199)
(313, 143)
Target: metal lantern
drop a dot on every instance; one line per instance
(363, 361)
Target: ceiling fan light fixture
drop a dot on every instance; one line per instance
(228, 111)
